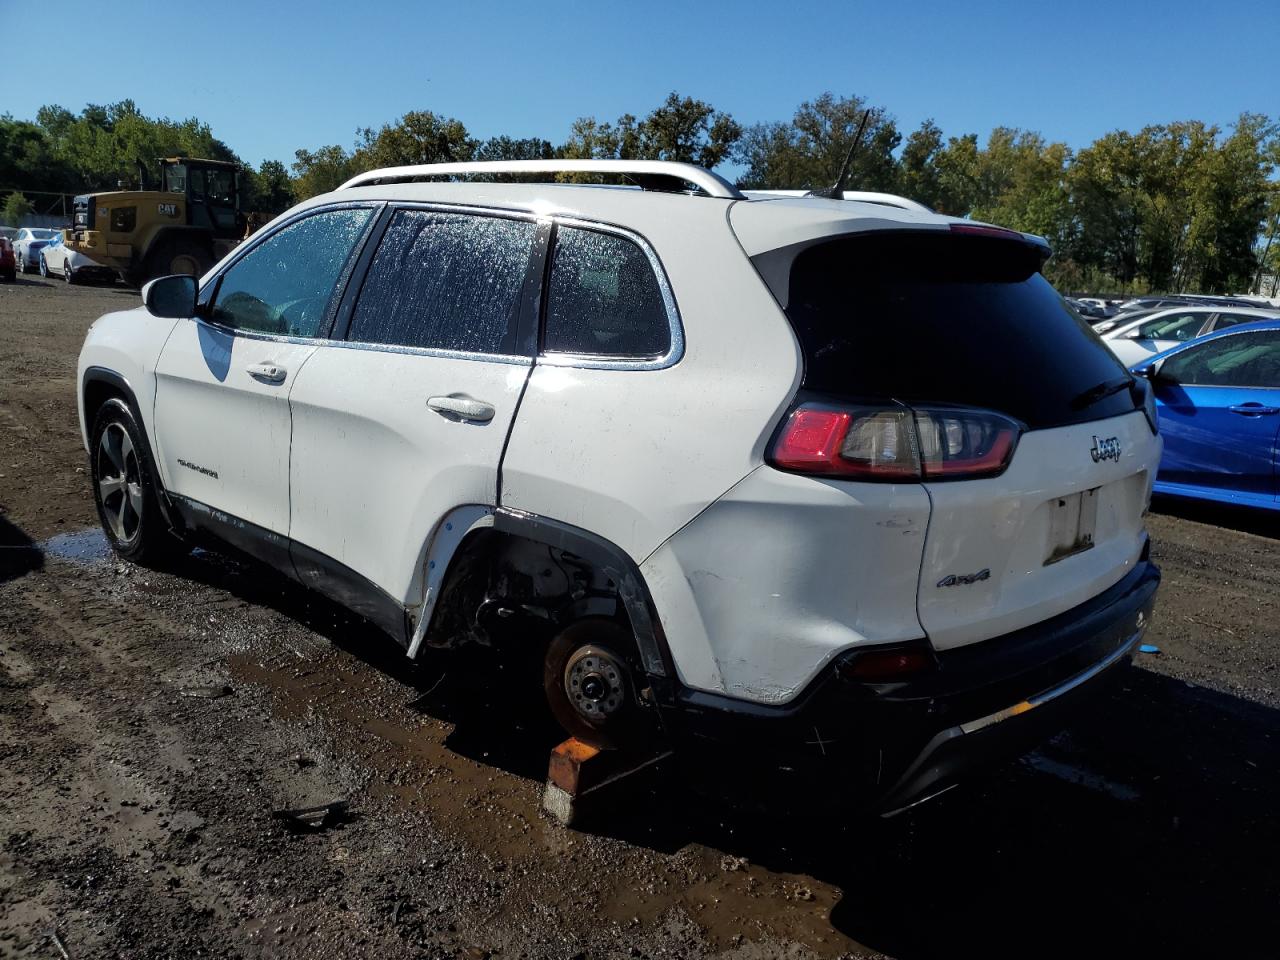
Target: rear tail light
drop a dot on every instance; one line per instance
(895, 442)
(889, 664)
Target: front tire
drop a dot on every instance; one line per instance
(68, 274)
(124, 489)
(177, 256)
(44, 267)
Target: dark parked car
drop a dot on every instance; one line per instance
(8, 261)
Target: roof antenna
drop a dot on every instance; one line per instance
(835, 192)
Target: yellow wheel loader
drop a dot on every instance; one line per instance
(184, 227)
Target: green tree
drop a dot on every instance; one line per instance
(808, 151)
(271, 190)
(420, 136)
(16, 206)
(507, 148)
(682, 129)
(320, 171)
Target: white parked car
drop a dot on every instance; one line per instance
(28, 244)
(1162, 330)
(59, 260)
(826, 487)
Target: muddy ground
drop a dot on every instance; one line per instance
(151, 722)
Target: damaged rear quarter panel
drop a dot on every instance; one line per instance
(784, 572)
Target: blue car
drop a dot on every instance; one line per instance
(1218, 399)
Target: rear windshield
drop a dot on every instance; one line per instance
(949, 319)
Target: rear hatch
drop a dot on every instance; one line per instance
(965, 370)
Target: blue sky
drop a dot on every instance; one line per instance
(270, 77)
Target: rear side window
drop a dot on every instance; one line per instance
(1240, 360)
(445, 281)
(604, 299)
(948, 319)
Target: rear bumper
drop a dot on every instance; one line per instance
(888, 746)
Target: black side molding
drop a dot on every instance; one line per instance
(309, 567)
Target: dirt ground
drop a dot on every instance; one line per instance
(150, 723)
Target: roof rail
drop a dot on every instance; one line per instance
(864, 196)
(648, 174)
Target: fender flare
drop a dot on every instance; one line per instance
(122, 386)
(655, 653)
(445, 550)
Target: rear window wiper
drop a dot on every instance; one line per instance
(1100, 391)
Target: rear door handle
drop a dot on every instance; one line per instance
(461, 407)
(1253, 409)
(267, 372)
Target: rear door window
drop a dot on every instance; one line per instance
(1240, 360)
(604, 299)
(931, 318)
(445, 281)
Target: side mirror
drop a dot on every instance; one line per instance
(173, 297)
(1148, 371)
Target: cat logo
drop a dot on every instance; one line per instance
(168, 209)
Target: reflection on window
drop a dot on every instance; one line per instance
(604, 299)
(1183, 327)
(283, 285)
(447, 282)
(176, 178)
(1240, 360)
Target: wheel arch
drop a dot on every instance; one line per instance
(100, 385)
(449, 558)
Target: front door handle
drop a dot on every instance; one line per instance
(462, 408)
(1253, 409)
(267, 372)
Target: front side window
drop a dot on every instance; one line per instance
(220, 186)
(283, 285)
(445, 281)
(176, 178)
(604, 299)
(1178, 326)
(1239, 360)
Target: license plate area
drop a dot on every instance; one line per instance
(1073, 520)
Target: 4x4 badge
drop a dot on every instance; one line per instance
(1108, 449)
(962, 579)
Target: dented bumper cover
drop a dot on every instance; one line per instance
(890, 745)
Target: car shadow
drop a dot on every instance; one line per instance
(1147, 829)
(19, 554)
(1261, 522)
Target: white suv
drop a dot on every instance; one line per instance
(836, 484)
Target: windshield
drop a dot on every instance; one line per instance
(44, 234)
(946, 319)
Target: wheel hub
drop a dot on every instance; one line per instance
(593, 682)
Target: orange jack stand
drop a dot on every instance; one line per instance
(578, 771)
